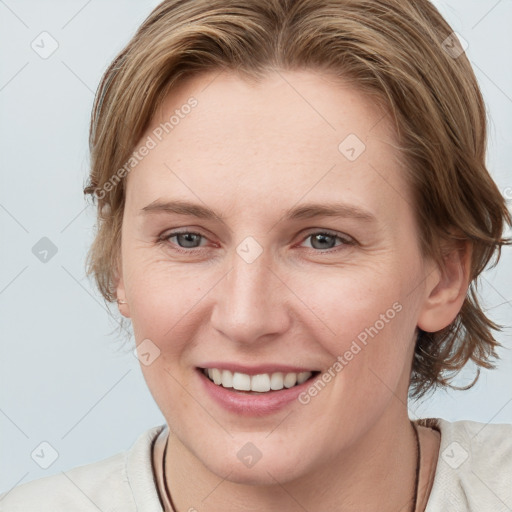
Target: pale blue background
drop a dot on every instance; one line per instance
(64, 378)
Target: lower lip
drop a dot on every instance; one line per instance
(252, 404)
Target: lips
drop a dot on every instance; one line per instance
(259, 382)
(247, 402)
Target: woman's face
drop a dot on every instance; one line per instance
(302, 255)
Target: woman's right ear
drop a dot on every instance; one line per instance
(122, 301)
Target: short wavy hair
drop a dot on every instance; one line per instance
(402, 54)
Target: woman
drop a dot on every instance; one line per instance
(293, 210)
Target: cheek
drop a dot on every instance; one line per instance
(365, 320)
(346, 301)
(165, 301)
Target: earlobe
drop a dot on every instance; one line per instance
(446, 289)
(122, 302)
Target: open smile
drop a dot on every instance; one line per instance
(259, 383)
(256, 393)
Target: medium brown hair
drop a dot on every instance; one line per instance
(395, 51)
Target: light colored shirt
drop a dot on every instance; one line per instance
(473, 473)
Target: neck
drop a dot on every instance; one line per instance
(377, 473)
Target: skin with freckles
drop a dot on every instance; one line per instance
(251, 152)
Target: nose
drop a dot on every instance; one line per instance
(252, 301)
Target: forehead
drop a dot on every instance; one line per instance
(252, 146)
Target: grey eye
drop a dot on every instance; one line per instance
(323, 240)
(187, 240)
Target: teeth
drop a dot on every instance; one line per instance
(290, 379)
(241, 382)
(303, 377)
(227, 379)
(277, 381)
(260, 383)
(217, 376)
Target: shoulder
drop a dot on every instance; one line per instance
(474, 467)
(121, 482)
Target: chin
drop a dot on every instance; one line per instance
(250, 466)
(259, 475)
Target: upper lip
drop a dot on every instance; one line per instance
(256, 369)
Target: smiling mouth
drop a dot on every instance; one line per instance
(261, 383)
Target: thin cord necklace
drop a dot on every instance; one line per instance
(418, 464)
(166, 488)
(416, 483)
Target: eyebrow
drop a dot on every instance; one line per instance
(304, 211)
